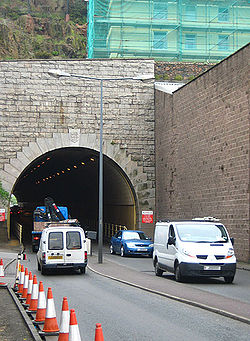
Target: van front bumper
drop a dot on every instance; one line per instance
(207, 270)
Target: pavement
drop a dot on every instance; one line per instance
(15, 324)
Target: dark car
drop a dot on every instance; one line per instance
(131, 242)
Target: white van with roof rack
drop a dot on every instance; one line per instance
(62, 246)
(194, 248)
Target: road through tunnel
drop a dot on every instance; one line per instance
(71, 177)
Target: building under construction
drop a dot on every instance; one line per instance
(177, 30)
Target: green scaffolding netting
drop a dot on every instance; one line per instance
(177, 30)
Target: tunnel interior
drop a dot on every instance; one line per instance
(71, 177)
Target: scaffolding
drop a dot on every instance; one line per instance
(177, 30)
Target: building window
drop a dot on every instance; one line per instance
(223, 42)
(190, 13)
(160, 40)
(160, 10)
(190, 41)
(223, 14)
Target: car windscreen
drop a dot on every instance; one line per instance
(207, 233)
(55, 241)
(133, 235)
(73, 240)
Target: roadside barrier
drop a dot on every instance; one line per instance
(25, 284)
(41, 306)
(50, 325)
(74, 334)
(34, 296)
(98, 332)
(64, 321)
(1, 268)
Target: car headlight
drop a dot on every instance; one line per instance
(230, 253)
(151, 245)
(187, 253)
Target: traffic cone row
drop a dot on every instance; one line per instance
(1, 268)
(33, 297)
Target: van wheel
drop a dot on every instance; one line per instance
(178, 275)
(82, 270)
(43, 271)
(38, 266)
(229, 279)
(158, 271)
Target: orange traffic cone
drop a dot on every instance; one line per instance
(50, 325)
(98, 332)
(41, 306)
(1, 268)
(29, 292)
(34, 295)
(64, 322)
(25, 284)
(74, 334)
(21, 281)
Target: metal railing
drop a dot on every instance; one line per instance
(111, 229)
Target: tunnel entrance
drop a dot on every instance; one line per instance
(70, 176)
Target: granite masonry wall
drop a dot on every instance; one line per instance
(39, 113)
(202, 149)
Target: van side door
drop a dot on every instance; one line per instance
(170, 248)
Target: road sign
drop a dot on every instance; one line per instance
(2, 214)
(147, 217)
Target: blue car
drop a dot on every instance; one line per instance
(131, 242)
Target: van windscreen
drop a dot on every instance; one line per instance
(73, 240)
(202, 233)
(55, 241)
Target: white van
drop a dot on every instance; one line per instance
(62, 245)
(198, 247)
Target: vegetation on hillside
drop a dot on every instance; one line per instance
(39, 29)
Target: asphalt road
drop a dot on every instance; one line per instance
(240, 289)
(127, 313)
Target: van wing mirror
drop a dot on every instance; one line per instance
(232, 241)
(171, 240)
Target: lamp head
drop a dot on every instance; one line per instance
(58, 73)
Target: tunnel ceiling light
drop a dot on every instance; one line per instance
(83, 163)
(92, 159)
(75, 166)
(68, 169)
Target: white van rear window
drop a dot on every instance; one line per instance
(55, 241)
(73, 240)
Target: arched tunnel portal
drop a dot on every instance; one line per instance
(71, 177)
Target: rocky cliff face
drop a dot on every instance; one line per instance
(42, 29)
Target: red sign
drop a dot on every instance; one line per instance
(147, 217)
(2, 214)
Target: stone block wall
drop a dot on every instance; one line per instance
(34, 105)
(202, 149)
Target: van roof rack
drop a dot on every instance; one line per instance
(207, 219)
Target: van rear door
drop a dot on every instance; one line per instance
(55, 252)
(74, 251)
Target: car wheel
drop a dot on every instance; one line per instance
(82, 270)
(122, 251)
(158, 271)
(111, 250)
(38, 266)
(229, 279)
(178, 275)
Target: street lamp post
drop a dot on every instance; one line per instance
(58, 74)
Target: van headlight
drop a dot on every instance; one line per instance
(230, 253)
(188, 253)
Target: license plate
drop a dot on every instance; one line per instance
(55, 257)
(141, 249)
(212, 267)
